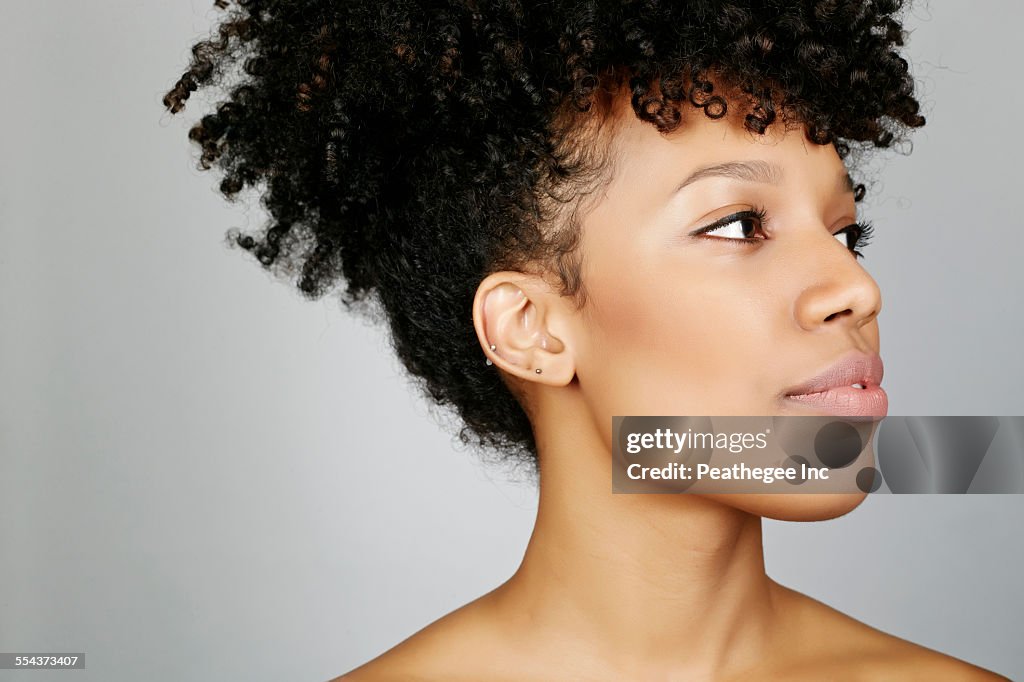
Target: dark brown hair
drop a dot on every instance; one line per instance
(409, 148)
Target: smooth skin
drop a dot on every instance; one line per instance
(672, 587)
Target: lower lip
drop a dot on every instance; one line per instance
(845, 402)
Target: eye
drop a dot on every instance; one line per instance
(740, 227)
(737, 226)
(855, 237)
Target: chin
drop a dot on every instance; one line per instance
(793, 506)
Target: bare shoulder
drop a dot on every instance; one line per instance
(872, 654)
(928, 664)
(897, 660)
(824, 643)
(454, 642)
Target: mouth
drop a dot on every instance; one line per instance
(849, 387)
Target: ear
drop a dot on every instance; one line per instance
(523, 325)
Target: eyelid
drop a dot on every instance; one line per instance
(722, 222)
(846, 225)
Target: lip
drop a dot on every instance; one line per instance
(832, 391)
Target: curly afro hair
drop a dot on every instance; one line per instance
(409, 148)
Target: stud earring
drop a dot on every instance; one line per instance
(537, 370)
(488, 361)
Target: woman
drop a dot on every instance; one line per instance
(571, 211)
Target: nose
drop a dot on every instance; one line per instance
(839, 293)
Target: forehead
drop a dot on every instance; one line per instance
(782, 156)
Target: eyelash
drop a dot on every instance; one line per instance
(862, 231)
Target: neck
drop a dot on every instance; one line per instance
(663, 582)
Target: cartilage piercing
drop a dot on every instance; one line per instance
(493, 347)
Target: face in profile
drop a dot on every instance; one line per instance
(727, 321)
(723, 278)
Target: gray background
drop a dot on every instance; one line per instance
(203, 476)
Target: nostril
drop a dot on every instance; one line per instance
(834, 315)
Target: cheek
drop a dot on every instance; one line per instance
(671, 339)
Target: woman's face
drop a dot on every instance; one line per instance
(682, 324)
(686, 324)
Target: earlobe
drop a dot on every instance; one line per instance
(515, 322)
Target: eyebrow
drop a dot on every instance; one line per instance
(752, 171)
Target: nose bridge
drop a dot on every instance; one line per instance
(837, 291)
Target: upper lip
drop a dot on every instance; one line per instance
(853, 368)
